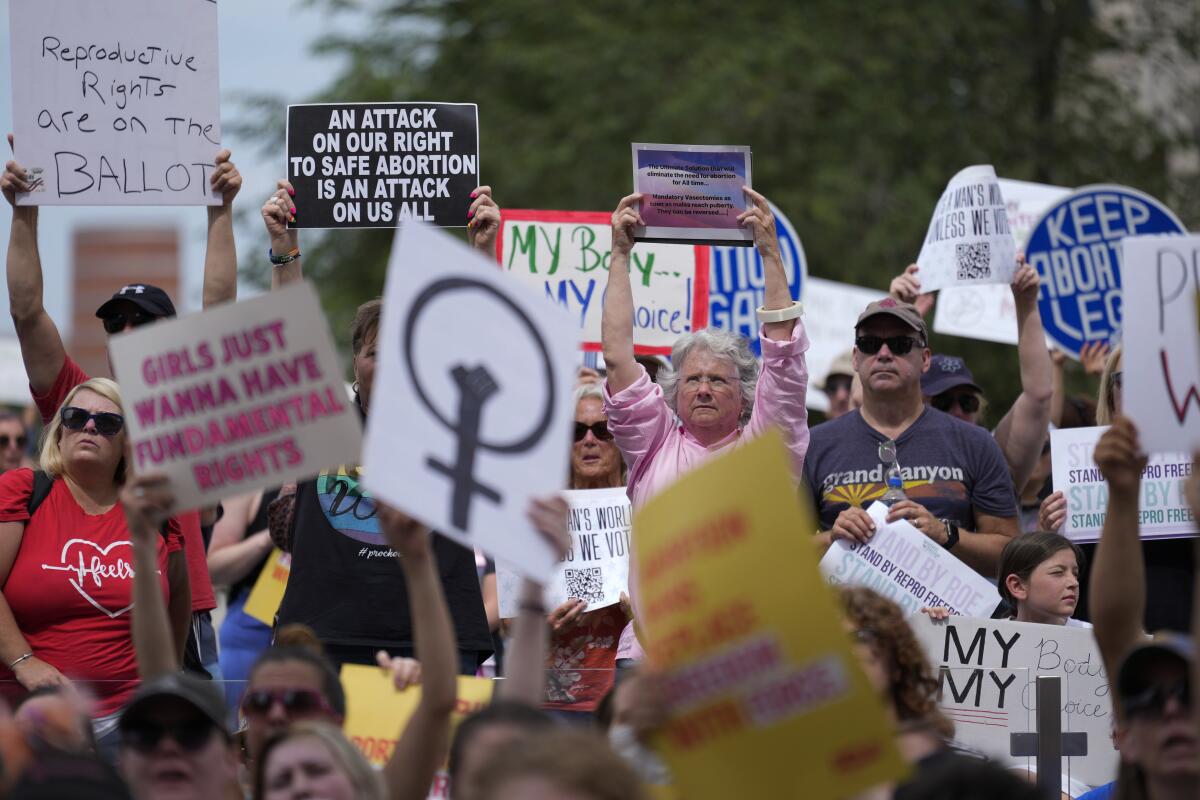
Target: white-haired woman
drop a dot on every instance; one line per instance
(67, 569)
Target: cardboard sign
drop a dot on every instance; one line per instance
(988, 671)
(1163, 510)
(747, 678)
(1162, 351)
(692, 193)
(830, 329)
(478, 371)
(565, 255)
(968, 241)
(263, 601)
(737, 282)
(987, 311)
(116, 102)
(376, 714)
(1076, 249)
(910, 569)
(596, 569)
(375, 165)
(243, 396)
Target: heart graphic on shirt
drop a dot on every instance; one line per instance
(92, 569)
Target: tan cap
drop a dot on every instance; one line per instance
(905, 312)
(842, 365)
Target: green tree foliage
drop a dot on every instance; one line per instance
(858, 113)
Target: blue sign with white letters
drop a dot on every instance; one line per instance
(735, 283)
(1076, 249)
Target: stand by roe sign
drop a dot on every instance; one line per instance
(1076, 249)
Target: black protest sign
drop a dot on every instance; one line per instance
(374, 165)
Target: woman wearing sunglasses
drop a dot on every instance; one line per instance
(67, 571)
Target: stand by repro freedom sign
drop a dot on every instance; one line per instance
(1076, 249)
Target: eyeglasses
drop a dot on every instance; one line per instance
(6, 440)
(190, 735)
(898, 345)
(296, 702)
(117, 322)
(599, 430)
(107, 423)
(1152, 703)
(969, 403)
(838, 383)
(1118, 379)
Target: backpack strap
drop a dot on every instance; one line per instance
(42, 484)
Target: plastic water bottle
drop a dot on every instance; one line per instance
(895, 487)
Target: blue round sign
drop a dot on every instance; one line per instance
(1076, 249)
(735, 280)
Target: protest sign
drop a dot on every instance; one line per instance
(745, 676)
(375, 165)
(478, 371)
(1161, 359)
(830, 330)
(376, 714)
(692, 193)
(968, 241)
(910, 569)
(263, 602)
(987, 684)
(240, 397)
(987, 311)
(116, 103)
(1076, 249)
(596, 569)
(565, 255)
(1163, 510)
(737, 281)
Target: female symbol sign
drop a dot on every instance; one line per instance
(476, 386)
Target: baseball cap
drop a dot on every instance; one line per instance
(890, 306)
(204, 696)
(842, 365)
(150, 299)
(1131, 675)
(945, 373)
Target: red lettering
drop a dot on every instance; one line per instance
(1192, 393)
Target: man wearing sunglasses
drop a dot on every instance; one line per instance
(13, 441)
(53, 373)
(959, 491)
(949, 387)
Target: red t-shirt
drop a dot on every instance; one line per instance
(71, 589)
(581, 663)
(203, 599)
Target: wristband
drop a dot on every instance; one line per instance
(287, 258)
(796, 309)
(951, 534)
(13, 665)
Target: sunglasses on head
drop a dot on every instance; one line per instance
(599, 430)
(296, 702)
(117, 322)
(107, 423)
(191, 735)
(898, 345)
(6, 440)
(969, 403)
(1152, 703)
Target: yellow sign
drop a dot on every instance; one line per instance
(765, 690)
(376, 712)
(267, 594)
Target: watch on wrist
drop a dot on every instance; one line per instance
(951, 534)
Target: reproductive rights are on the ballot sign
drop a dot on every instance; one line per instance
(969, 240)
(1076, 249)
(374, 165)
(241, 397)
(692, 193)
(116, 102)
(565, 255)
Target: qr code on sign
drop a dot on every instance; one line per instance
(974, 261)
(586, 584)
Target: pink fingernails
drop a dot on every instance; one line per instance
(474, 194)
(470, 214)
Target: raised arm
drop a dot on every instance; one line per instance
(220, 257)
(148, 500)
(776, 291)
(906, 287)
(1022, 432)
(1058, 392)
(1119, 610)
(483, 221)
(280, 209)
(41, 346)
(616, 324)
(422, 745)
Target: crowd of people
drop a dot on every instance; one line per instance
(119, 685)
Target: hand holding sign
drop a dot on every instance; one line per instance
(969, 241)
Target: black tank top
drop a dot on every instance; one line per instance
(346, 584)
(244, 584)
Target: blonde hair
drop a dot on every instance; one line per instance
(49, 454)
(1105, 402)
(368, 784)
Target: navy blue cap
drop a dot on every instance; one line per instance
(150, 299)
(945, 373)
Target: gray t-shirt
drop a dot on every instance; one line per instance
(949, 466)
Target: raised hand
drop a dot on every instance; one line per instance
(1093, 355)
(148, 501)
(483, 220)
(624, 219)
(548, 515)
(1025, 283)
(15, 178)
(225, 178)
(406, 536)
(1119, 456)
(761, 220)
